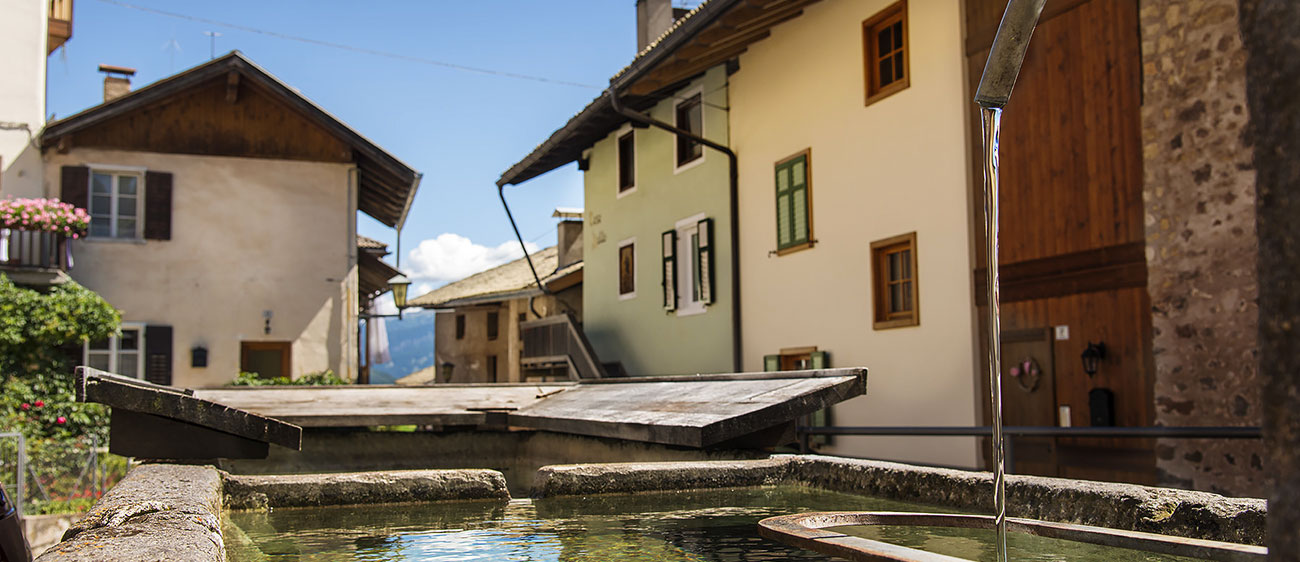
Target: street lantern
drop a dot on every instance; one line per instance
(1092, 356)
(399, 285)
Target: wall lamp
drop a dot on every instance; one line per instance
(399, 285)
(1092, 356)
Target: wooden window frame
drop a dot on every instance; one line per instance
(628, 133)
(630, 242)
(880, 250)
(114, 351)
(870, 28)
(286, 356)
(493, 325)
(460, 326)
(806, 154)
(691, 99)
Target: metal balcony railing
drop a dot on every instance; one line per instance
(27, 249)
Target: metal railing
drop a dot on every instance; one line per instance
(20, 468)
(1011, 432)
(557, 340)
(49, 474)
(34, 249)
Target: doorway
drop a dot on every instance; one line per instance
(269, 359)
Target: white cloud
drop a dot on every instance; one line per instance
(451, 257)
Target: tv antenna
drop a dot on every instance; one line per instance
(212, 43)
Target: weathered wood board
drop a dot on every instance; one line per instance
(697, 411)
(355, 406)
(154, 412)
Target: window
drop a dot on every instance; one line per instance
(794, 203)
(626, 162)
(894, 280)
(627, 269)
(884, 46)
(269, 359)
(115, 204)
(118, 354)
(492, 368)
(690, 117)
(460, 326)
(688, 266)
(493, 324)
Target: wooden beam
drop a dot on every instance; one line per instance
(1101, 269)
(232, 86)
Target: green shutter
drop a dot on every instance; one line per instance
(669, 245)
(783, 204)
(704, 256)
(820, 360)
(792, 211)
(771, 362)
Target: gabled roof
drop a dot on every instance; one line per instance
(510, 281)
(386, 185)
(711, 34)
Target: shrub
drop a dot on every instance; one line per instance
(317, 378)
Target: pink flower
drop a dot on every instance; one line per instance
(26, 406)
(1015, 371)
(40, 403)
(61, 420)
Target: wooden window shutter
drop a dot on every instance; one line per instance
(771, 362)
(158, 354)
(74, 187)
(704, 277)
(820, 360)
(157, 205)
(670, 270)
(783, 206)
(798, 200)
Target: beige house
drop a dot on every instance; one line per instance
(223, 208)
(30, 30)
(484, 320)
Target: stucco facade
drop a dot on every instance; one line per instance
(248, 235)
(22, 95)
(637, 330)
(896, 166)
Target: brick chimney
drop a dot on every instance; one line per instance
(117, 81)
(653, 18)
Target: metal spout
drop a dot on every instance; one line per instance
(1008, 52)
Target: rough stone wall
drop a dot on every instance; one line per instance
(1199, 194)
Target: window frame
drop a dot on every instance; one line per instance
(882, 319)
(114, 350)
(687, 285)
(871, 27)
(806, 154)
(493, 325)
(693, 96)
(460, 326)
(630, 242)
(115, 172)
(629, 132)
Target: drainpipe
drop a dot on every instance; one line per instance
(502, 194)
(736, 355)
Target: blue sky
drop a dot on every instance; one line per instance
(461, 129)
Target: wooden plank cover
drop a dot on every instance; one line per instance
(355, 406)
(696, 411)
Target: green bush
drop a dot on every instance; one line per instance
(317, 378)
(41, 336)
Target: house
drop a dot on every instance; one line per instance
(223, 223)
(488, 322)
(1127, 219)
(30, 31)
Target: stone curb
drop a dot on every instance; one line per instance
(302, 490)
(157, 512)
(1122, 506)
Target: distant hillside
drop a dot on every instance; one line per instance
(410, 342)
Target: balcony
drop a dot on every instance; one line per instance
(556, 342)
(60, 24)
(34, 257)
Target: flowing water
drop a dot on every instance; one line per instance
(991, 117)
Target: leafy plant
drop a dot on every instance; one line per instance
(316, 378)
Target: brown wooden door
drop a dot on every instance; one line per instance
(1029, 397)
(269, 359)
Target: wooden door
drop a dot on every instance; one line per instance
(269, 359)
(1029, 397)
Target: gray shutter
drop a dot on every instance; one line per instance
(75, 186)
(157, 206)
(705, 256)
(158, 354)
(669, 247)
(771, 362)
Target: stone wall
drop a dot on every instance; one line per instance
(1199, 194)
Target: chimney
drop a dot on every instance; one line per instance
(117, 81)
(653, 18)
(569, 237)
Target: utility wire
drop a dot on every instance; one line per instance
(330, 44)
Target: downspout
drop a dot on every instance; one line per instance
(737, 358)
(502, 194)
